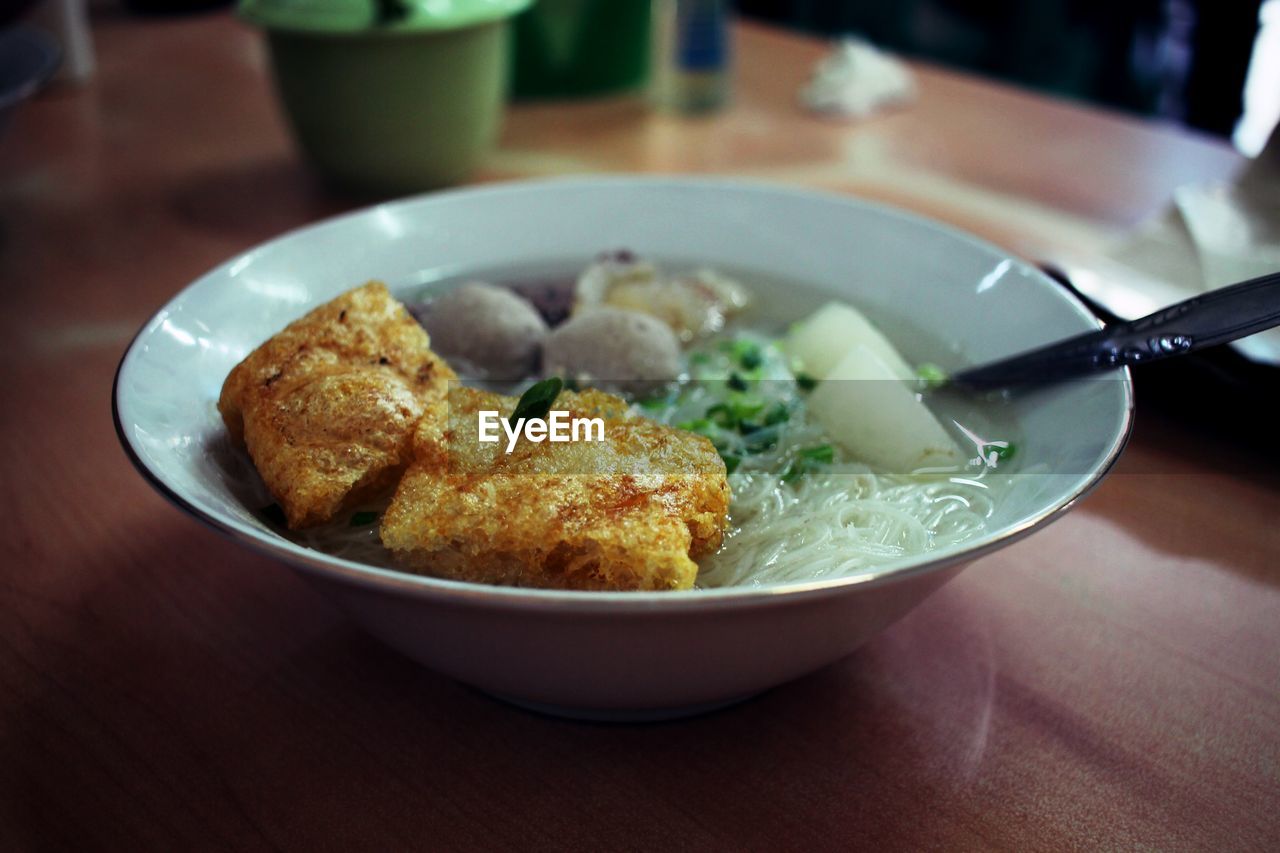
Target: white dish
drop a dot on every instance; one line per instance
(617, 655)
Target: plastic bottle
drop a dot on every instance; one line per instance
(690, 55)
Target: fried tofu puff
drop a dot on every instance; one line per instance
(327, 407)
(626, 513)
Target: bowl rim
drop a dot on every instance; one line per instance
(464, 593)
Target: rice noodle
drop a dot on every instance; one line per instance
(838, 519)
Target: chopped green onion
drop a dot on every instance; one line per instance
(748, 354)
(363, 518)
(931, 375)
(722, 415)
(751, 419)
(731, 413)
(731, 462)
(537, 400)
(778, 413)
(1004, 450)
(736, 382)
(823, 453)
(806, 382)
(702, 426)
(706, 429)
(807, 460)
(760, 440)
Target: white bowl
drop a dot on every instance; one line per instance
(616, 655)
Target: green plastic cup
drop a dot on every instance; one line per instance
(390, 96)
(581, 48)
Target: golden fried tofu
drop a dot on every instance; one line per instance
(629, 512)
(327, 407)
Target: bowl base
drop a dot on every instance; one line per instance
(621, 715)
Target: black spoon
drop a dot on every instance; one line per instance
(1206, 320)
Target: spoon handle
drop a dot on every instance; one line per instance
(1211, 318)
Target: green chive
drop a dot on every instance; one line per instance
(1003, 451)
(824, 453)
(806, 460)
(777, 414)
(760, 440)
(748, 354)
(736, 382)
(731, 462)
(702, 426)
(723, 415)
(806, 382)
(931, 375)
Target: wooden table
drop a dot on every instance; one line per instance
(1112, 682)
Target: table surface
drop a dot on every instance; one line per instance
(1113, 681)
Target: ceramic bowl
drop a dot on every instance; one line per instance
(626, 655)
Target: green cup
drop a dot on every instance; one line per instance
(579, 48)
(390, 97)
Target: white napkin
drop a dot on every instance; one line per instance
(1211, 236)
(857, 79)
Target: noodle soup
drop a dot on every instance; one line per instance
(804, 506)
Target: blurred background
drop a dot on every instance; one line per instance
(1185, 60)
(1211, 65)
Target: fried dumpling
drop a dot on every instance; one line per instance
(327, 407)
(629, 512)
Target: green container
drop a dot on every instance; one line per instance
(577, 48)
(389, 96)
